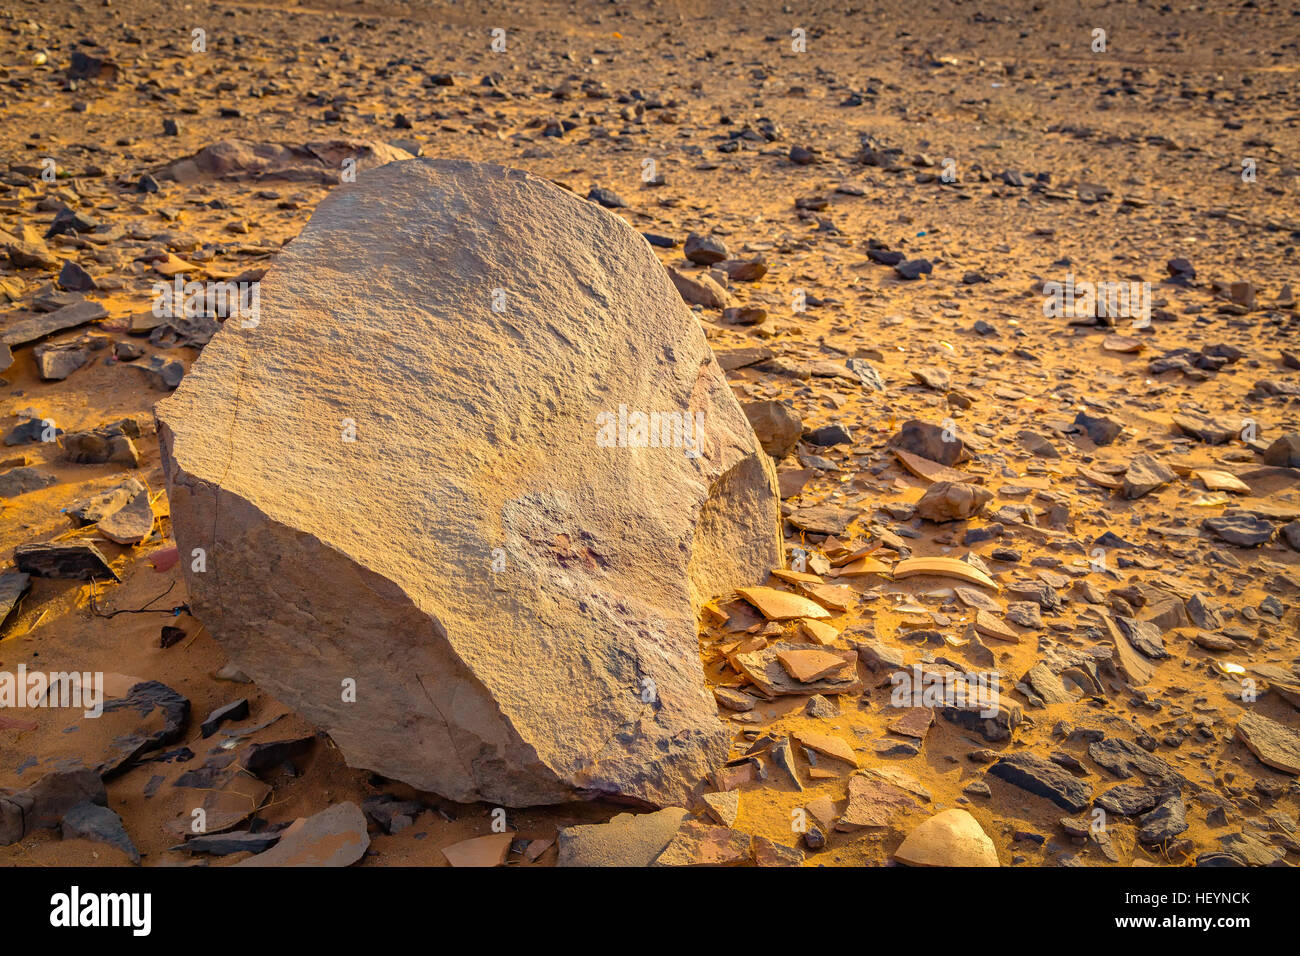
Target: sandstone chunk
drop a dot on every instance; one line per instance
(950, 838)
(952, 501)
(486, 519)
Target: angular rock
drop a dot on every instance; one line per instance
(1285, 451)
(131, 523)
(1242, 530)
(767, 853)
(484, 851)
(13, 585)
(28, 330)
(1126, 759)
(993, 728)
(724, 807)
(1204, 428)
(1100, 429)
(699, 289)
(873, 802)
(931, 441)
(777, 426)
(1128, 800)
(20, 481)
(335, 837)
(517, 687)
(90, 821)
(44, 803)
(224, 844)
(1165, 822)
(952, 501)
(80, 560)
(1145, 474)
(1044, 779)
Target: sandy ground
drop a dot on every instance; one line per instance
(1127, 159)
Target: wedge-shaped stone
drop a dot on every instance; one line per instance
(764, 669)
(812, 665)
(776, 605)
(443, 465)
(828, 745)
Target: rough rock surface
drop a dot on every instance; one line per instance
(373, 559)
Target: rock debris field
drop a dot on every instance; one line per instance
(656, 435)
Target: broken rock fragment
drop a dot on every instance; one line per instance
(541, 571)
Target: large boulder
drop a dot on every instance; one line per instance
(503, 558)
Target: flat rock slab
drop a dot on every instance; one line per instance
(1242, 530)
(484, 851)
(724, 807)
(1145, 474)
(461, 486)
(90, 821)
(1126, 759)
(777, 605)
(630, 839)
(332, 838)
(224, 844)
(36, 327)
(874, 802)
(699, 844)
(1274, 744)
(812, 665)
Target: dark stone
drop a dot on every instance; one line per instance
(235, 710)
(1100, 429)
(43, 804)
(223, 844)
(1124, 758)
(75, 279)
(1242, 530)
(390, 814)
(991, 728)
(1128, 800)
(90, 821)
(1165, 822)
(147, 697)
(830, 435)
(606, 197)
(79, 560)
(1044, 779)
(259, 758)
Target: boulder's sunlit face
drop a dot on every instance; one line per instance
(648, 434)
